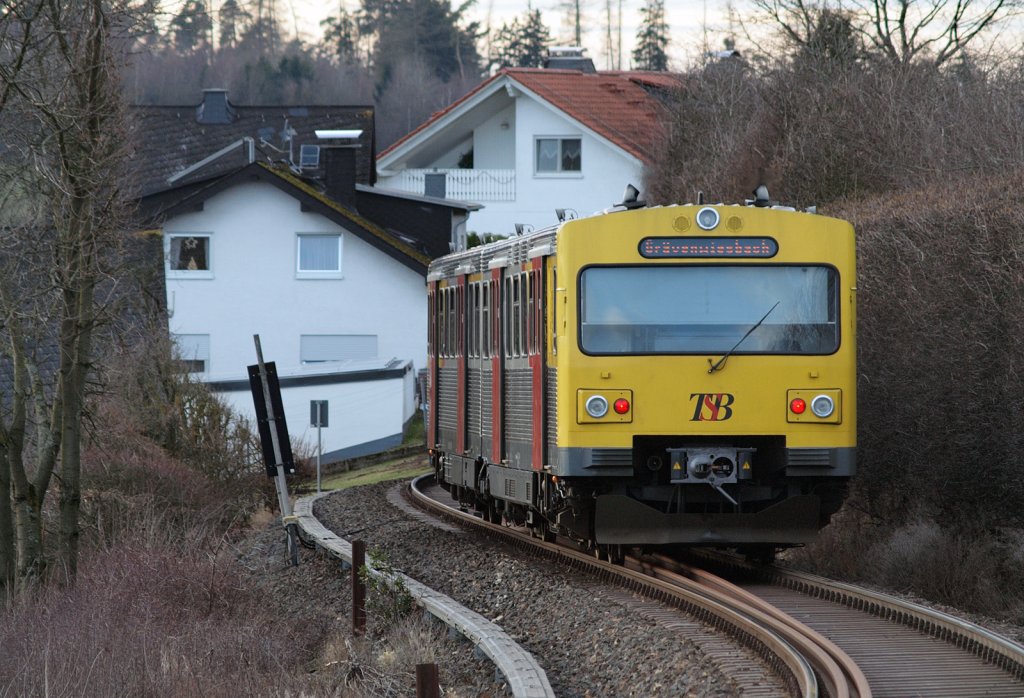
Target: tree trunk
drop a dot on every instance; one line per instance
(27, 501)
(7, 554)
(28, 523)
(76, 349)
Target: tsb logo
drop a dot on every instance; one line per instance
(712, 407)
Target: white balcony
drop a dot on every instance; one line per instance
(464, 185)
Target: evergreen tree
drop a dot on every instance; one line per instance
(522, 44)
(192, 27)
(428, 32)
(233, 20)
(263, 34)
(341, 37)
(652, 38)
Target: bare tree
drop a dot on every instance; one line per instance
(901, 31)
(65, 90)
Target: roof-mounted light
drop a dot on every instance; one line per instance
(339, 133)
(707, 218)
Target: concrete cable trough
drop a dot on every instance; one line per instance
(524, 675)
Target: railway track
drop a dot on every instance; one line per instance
(763, 616)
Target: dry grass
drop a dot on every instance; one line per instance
(974, 572)
(153, 616)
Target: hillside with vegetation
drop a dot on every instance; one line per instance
(924, 154)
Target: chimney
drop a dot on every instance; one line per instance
(215, 108)
(569, 58)
(339, 163)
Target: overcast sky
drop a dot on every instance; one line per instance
(686, 20)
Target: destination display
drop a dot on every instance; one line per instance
(707, 247)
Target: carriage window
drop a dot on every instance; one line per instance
(485, 320)
(708, 309)
(529, 321)
(517, 312)
(460, 309)
(495, 319)
(471, 320)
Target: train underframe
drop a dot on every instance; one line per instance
(753, 494)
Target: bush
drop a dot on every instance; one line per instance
(974, 570)
(815, 132)
(941, 380)
(160, 614)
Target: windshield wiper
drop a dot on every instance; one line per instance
(715, 366)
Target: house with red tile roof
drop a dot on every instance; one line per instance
(531, 140)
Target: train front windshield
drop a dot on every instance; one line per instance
(708, 309)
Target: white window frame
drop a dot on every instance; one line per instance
(314, 273)
(200, 346)
(559, 173)
(188, 273)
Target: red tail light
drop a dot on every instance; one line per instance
(798, 406)
(621, 406)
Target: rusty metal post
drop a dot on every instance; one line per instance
(358, 588)
(427, 685)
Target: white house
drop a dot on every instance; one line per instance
(529, 141)
(329, 272)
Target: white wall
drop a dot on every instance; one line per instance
(606, 172)
(450, 160)
(253, 288)
(358, 413)
(494, 147)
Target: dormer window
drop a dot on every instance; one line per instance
(558, 155)
(309, 157)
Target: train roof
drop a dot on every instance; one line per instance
(518, 249)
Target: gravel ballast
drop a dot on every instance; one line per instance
(584, 634)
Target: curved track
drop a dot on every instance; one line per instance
(792, 654)
(819, 637)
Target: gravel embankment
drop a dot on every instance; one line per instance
(582, 633)
(316, 597)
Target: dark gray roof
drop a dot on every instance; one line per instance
(154, 209)
(169, 140)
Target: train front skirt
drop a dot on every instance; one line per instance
(620, 520)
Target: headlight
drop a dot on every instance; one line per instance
(707, 218)
(822, 406)
(596, 406)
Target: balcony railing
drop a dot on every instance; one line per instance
(466, 185)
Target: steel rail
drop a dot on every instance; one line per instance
(727, 615)
(849, 681)
(984, 643)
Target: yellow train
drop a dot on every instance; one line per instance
(650, 375)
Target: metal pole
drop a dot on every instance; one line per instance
(282, 486)
(319, 443)
(358, 588)
(426, 681)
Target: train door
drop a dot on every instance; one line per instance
(450, 370)
(496, 355)
(479, 367)
(534, 300)
(523, 374)
(433, 326)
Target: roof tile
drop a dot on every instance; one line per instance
(619, 105)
